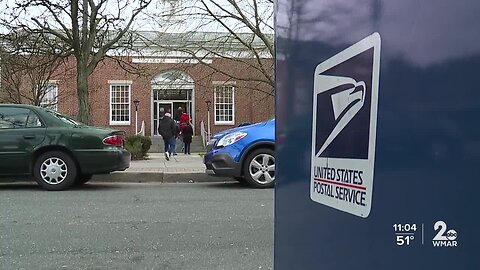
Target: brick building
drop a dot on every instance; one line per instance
(163, 80)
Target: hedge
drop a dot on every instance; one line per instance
(138, 146)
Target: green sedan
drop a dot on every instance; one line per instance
(56, 150)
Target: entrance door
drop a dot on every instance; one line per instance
(169, 96)
(161, 109)
(176, 113)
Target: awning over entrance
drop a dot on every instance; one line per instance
(172, 77)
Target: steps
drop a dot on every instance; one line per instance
(158, 146)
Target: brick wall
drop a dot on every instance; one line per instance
(252, 103)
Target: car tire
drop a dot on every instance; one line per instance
(82, 179)
(240, 179)
(259, 168)
(55, 171)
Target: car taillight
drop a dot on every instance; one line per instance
(114, 140)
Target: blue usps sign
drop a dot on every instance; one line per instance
(378, 141)
(345, 99)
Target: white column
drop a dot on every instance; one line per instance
(136, 122)
(208, 125)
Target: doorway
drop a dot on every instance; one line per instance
(172, 89)
(159, 111)
(186, 106)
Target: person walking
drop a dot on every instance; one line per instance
(167, 128)
(177, 136)
(187, 133)
(183, 118)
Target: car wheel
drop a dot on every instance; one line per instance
(55, 171)
(259, 168)
(82, 179)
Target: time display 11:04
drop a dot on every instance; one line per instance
(405, 227)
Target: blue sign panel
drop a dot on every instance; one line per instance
(378, 135)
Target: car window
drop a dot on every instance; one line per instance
(64, 118)
(11, 117)
(33, 120)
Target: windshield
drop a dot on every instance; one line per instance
(64, 118)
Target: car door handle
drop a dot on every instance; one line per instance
(29, 137)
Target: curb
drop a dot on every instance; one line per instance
(159, 177)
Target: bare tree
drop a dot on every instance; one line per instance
(86, 30)
(240, 31)
(26, 73)
(27, 79)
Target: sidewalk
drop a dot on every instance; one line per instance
(179, 169)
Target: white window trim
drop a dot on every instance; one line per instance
(49, 84)
(121, 123)
(224, 83)
(120, 82)
(223, 123)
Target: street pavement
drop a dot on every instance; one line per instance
(179, 169)
(136, 226)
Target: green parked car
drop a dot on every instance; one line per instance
(56, 150)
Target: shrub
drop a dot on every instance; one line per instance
(138, 146)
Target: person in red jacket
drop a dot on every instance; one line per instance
(184, 118)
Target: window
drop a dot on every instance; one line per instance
(65, 119)
(120, 104)
(11, 117)
(224, 105)
(33, 120)
(50, 97)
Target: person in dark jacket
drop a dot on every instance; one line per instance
(167, 128)
(177, 135)
(187, 133)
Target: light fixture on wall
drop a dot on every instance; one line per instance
(208, 102)
(136, 102)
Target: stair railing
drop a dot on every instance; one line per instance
(142, 129)
(204, 133)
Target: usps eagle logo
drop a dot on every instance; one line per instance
(347, 98)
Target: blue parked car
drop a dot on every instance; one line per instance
(246, 153)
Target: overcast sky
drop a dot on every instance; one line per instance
(154, 20)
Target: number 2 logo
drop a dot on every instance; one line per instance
(441, 227)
